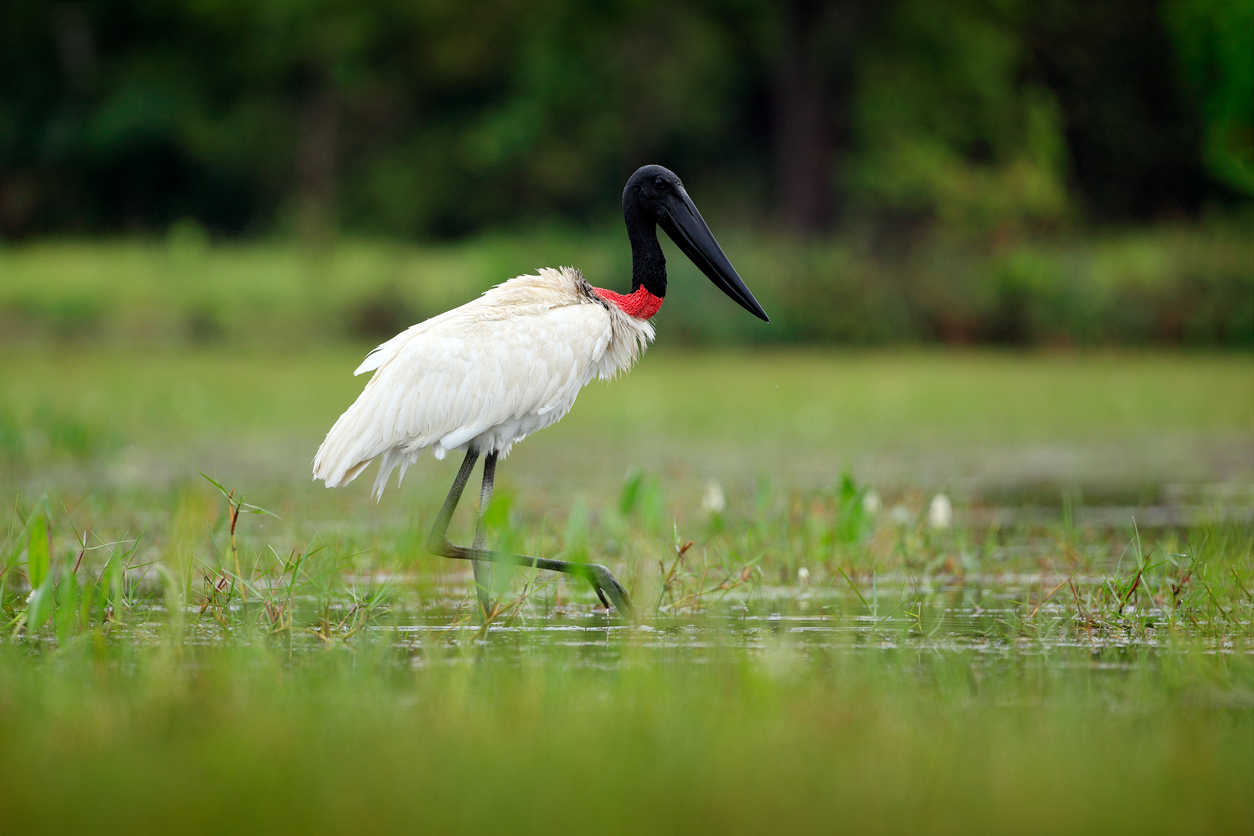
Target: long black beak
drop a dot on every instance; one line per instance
(684, 224)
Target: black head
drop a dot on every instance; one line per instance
(649, 189)
(655, 196)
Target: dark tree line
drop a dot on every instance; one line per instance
(440, 117)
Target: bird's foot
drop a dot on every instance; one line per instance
(607, 587)
(605, 584)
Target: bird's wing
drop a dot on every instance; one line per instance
(472, 369)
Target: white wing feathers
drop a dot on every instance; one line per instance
(489, 372)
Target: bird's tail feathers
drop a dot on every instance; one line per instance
(351, 446)
(348, 448)
(393, 458)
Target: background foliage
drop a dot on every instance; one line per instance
(435, 117)
(954, 171)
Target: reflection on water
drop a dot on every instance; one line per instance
(977, 618)
(799, 624)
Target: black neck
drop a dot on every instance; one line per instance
(648, 264)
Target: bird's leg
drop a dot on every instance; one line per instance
(484, 574)
(602, 580)
(437, 540)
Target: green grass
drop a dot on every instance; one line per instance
(1174, 285)
(1074, 654)
(469, 739)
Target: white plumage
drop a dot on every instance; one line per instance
(487, 374)
(493, 371)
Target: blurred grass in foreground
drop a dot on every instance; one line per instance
(1173, 285)
(472, 738)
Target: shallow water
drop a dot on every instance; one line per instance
(995, 616)
(782, 622)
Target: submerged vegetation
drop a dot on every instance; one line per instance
(826, 557)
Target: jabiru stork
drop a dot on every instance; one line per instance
(486, 375)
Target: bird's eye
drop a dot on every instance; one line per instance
(660, 183)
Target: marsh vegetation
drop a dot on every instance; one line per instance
(822, 643)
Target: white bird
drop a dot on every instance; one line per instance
(491, 372)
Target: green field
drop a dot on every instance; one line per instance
(1181, 284)
(1074, 653)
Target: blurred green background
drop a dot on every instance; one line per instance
(975, 171)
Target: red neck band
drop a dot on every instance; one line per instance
(640, 303)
